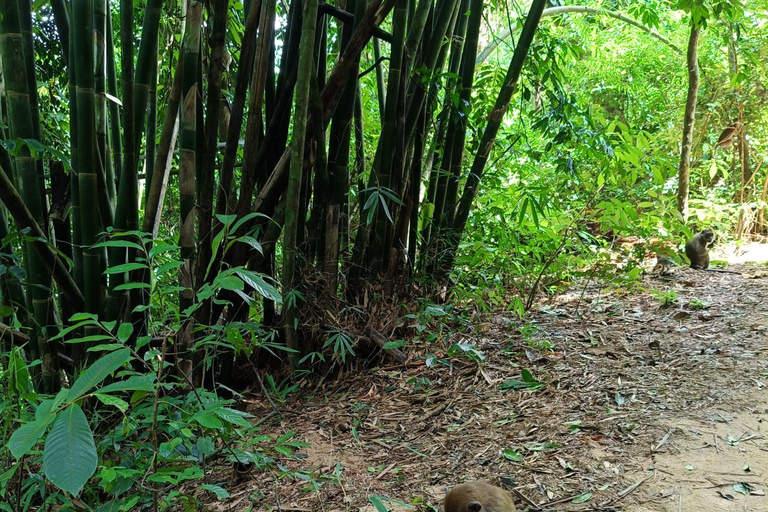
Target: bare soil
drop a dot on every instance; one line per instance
(642, 406)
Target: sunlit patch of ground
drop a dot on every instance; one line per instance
(750, 252)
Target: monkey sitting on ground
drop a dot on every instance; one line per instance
(478, 497)
(697, 249)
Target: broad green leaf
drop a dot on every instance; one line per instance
(207, 420)
(216, 489)
(245, 219)
(231, 283)
(135, 383)
(26, 436)
(97, 372)
(233, 416)
(124, 331)
(162, 269)
(113, 401)
(512, 455)
(69, 457)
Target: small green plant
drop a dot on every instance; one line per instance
(666, 298)
(467, 351)
(698, 304)
(420, 383)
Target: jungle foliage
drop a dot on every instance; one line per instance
(199, 197)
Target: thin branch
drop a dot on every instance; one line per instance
(579, 9)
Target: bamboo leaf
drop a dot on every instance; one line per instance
(120, 243)
(132, 286)
(125, 267)
(88, 339)
(245, 219)
(261, 286)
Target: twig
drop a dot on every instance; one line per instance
(554, 255)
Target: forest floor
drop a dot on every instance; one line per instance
(631, 404)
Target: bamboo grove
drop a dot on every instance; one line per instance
(267, 150)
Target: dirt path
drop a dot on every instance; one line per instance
(630, 404)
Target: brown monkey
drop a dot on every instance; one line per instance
(478, 497)
(697, 249)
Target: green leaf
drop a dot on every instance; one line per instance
(120, 243)
(512, 455)
(583, 498)
(69, 457)
(132, 286)
(161, 249)
(97, 372)
(126, 267)
(245, 219)
(262, 287)
(207, 420)
(124, 331)
(393, 344)
(26, 436)
(135, 383)
(162, 269)
(217, 490)
(113, 401)
(231, 283)
(89, 339)
(233, 416)
(80, 323)
(377, 504)
(106, 347)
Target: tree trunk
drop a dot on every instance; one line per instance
(684, 168)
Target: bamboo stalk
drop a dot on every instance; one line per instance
(306, 53)
(491, 130)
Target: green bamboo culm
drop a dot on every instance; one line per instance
(104, 172)
(25, 18)
(116, 146)
(188, 164)
(142, 86)
(451, 242)
(21, 112)
(293, 192)
(384, 160)
(87, 173)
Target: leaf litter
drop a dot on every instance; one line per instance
(639, 405)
